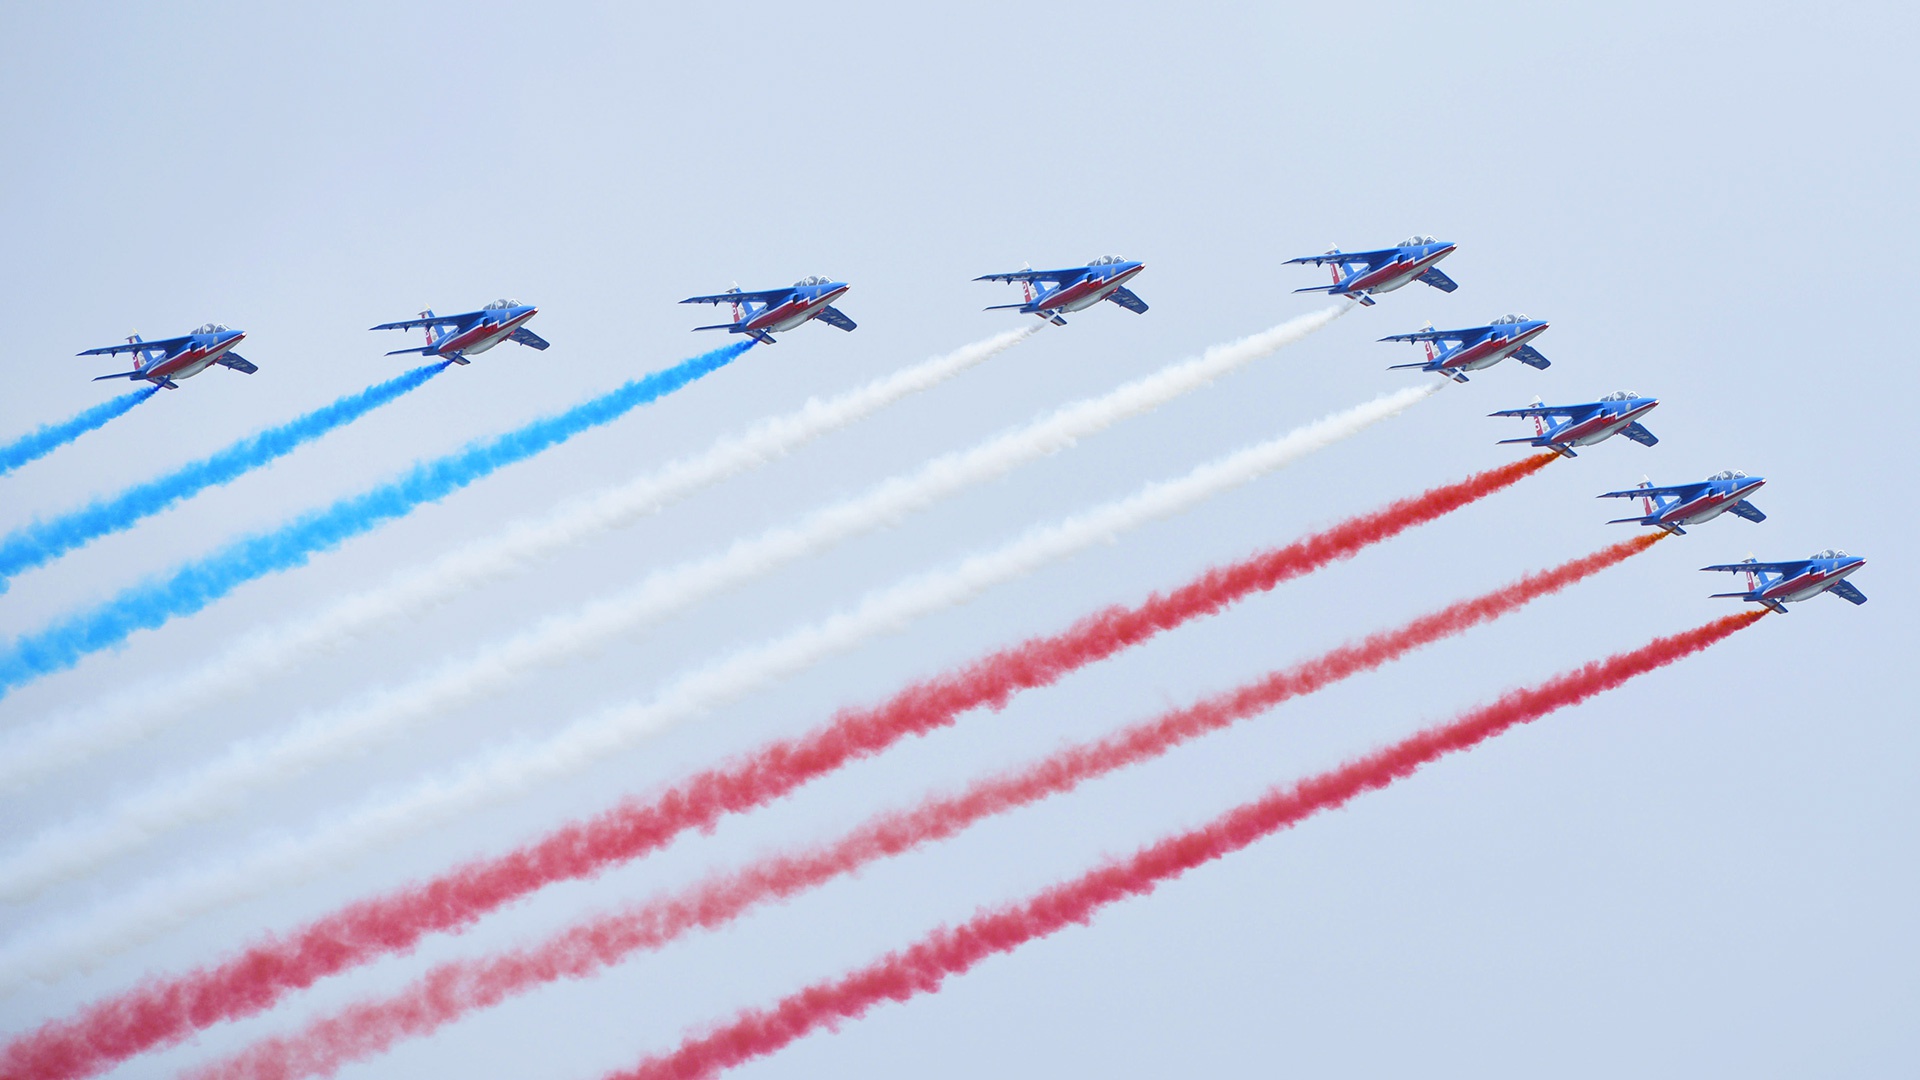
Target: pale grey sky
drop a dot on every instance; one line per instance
(1706, 872)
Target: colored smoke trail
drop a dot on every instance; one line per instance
(452, 990)
(35, 752)
(223, 785)
(194, 586)
(43, 541)
(50, 437)
(923, 967)
(506, 773)
(164, 1011)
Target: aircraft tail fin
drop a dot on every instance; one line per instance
(1539, 422)
(1339, 271)
(139, 356)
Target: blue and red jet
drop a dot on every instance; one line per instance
(779, 309)
(161, 362)
(1074, 288)
(1617, 413)
(1361, 274)
(1453, 353)
(453, 337)
(1672, 506)
(1777, 584)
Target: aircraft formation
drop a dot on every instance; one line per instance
(1358, 276)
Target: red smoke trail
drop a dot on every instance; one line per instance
(166, 1011)
(455, 989)
(924, 966)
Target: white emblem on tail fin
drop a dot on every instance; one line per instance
(433, 332)
(736, 304)
(1026, 284)
(139, 356)
(1647, 501)
(1539, 422)
(1339, 272)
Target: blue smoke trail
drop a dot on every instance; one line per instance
(51, 437)
(44, 541)
(200, 583)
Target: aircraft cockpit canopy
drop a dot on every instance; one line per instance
(1105, 260)
(1507, 320)
(1417, 240)
(1728, 474)
(812, 279)
(1831, 553)
(212, 328)
(1620, 395)
(502, 304)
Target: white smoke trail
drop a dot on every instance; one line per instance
(32, 753)
(222, 787)
(504, 774)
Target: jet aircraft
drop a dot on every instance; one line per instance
(1360, 274)
(1675, 505)
(1453, 353)
(1074, 288)
(1617, 413)
(161, 362)
(1777, 584)
(453, 337)
(779, 309)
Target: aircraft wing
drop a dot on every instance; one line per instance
(237, 362)
(1639, 434)
(1787, 568)
(437, 320)
(528, 338)
(1544, 410)
(764, 296)
(1433, 335)
(1126, 299)
(1440, 281)
(1682, 490)
(1847, 592)
(1347, 256)
(164, 345)
(1526, 354)
(1747, 510)
(834, 317)
(1055, 276)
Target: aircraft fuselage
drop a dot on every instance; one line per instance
(791, 312)
(1488, 351)
(1705, 506)
(1084, 293)
(482, 335)
(1395, 274)
(1600, 426)
(1805, 585)
(190, 360)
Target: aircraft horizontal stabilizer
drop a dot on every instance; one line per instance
(402, 352)
(122, 375)
(720, 326)
(1533, 440)
(1422, 365)
(1003, 307)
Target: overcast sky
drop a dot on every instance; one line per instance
(1709, 871)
